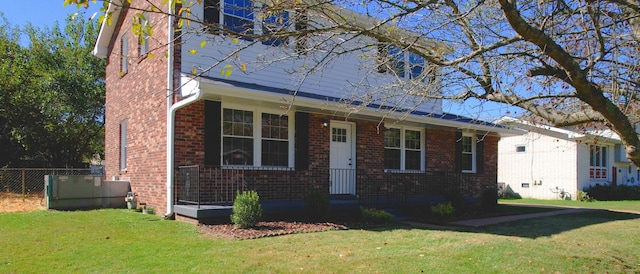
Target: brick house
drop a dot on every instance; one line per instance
(187, 143)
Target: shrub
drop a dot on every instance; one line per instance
(584, 197)
(613, 193)
(246, 209)
(317, 205)
(375, 215)
(443, 209)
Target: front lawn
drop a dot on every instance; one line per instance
(116, 241)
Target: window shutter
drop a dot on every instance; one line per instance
(212, 13)
(458, 141)
(480, 154)
(302, 141)
(212, 133)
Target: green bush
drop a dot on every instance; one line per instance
(613, 193)
(246, 209)
(584, 197)
(317, 205)
(443, 209)
(375, 215)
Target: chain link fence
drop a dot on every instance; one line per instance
(30, 181)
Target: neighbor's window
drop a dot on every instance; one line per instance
(597, 162)
(468, 153)
(403, 149)
(244, 144)
(521, 148)
(123, 145)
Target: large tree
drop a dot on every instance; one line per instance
(566, 62)
(52, 94)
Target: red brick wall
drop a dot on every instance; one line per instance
(139, 96)
(441, 150)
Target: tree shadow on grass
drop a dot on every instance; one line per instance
(530, 228)
(552, 225)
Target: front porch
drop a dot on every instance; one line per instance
(209, 192)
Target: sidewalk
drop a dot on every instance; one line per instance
(511, 218)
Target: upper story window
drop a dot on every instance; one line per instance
(124, 54)
(598, 162)
(403, 64)
(144, 31)
(403, 149)
(256, 138)
(240, 17)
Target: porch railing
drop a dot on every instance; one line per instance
(218, 185)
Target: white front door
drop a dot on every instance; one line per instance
(342, 161)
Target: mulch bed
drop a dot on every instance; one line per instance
(267, 229)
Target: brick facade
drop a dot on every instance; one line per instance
(139, 97)
(372, 180)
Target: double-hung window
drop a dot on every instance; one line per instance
(597, 162)
(123, 145)
(237, 15)
(400, 63)
(144, 31)
(403, 149)
(124, 54)
(256, 138)
(468, 157)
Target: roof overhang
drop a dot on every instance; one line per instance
(220, 89)
(101, 49)
(604, 135)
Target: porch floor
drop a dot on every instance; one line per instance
(212, 211)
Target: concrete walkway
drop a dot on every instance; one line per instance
(511, 218)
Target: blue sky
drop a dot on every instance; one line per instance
(41, 13)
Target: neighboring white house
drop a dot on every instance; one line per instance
(554, 163)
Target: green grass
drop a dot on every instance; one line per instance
(116, 241)
(615, 205)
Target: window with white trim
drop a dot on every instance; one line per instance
(598, 162)
(468, 157)
(403, 149)
(239, 17)
(124, 54)
(402, 63)
(123, 145)
(144, 32)
(233, 15)
(256, 138)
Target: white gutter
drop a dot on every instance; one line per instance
(170, 115)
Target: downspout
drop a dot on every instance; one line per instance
(170, 116)
(196, 95)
